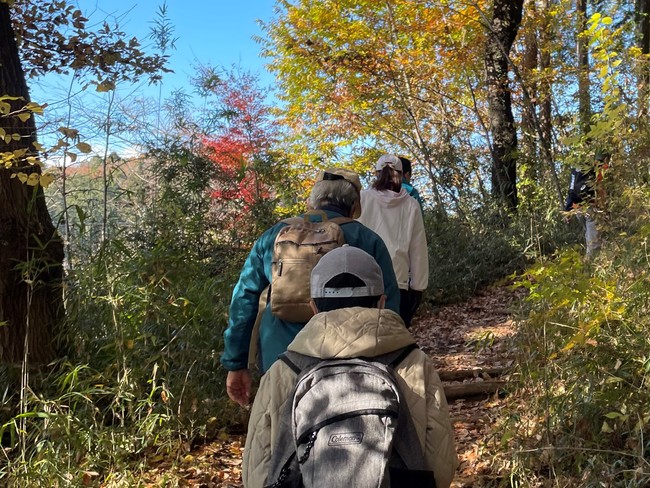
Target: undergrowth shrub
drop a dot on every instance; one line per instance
(580, 416)
(468, 254)
(145, 314)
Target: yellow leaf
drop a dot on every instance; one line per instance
(105, 86)
(37, 145)
(84, 147)
(69, 133)
(22, 177)
(46, 179)
(33, 179)
(129, 343)
(7, 138)
(3, 133)
(15, 137)
(35, 108)
(24, 116)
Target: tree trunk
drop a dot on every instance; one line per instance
(529, 139)
(31, 252)
(545, 101)
(584, 98)
(643, 36)
(506, 18)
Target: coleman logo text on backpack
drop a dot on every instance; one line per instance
(346, 426)
(297, 249)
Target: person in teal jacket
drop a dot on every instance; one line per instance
(337, 192)
(406, 180)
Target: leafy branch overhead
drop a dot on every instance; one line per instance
(54, 37)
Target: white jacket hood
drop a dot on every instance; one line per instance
(397, 219)
(391, 198)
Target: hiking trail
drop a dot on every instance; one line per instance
(469, 345)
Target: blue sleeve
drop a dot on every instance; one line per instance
(416, 195)
(358, 235)
(253, 279)
(391, 290)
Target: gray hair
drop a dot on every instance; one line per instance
(340, 193)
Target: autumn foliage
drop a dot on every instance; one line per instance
(239, 144)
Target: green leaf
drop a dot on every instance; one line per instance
(613, 415)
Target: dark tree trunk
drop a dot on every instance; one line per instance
(31, 253)
(584, 98)
(506, 18)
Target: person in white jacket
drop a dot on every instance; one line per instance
(348, 298)
(396, 217)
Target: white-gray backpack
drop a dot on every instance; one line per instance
(347, 426)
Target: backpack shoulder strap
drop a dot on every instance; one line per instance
(394, 358)
(292, 220)
(342, 220)
(296, 361)
(300, 362)
(305, 217)
(405, 351)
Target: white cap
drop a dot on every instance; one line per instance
(351, 260)
(389, 160)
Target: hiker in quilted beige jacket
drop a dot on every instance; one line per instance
(357, 326)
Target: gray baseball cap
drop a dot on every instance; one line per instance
(351, 260)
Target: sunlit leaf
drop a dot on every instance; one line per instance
(84, 147)
(33, 179)
(69, 133)
(105, 86)
(46, 179)
(35, 108)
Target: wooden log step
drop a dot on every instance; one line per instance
(473, 389)
(463, 374)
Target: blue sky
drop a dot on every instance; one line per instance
(209, 32)
(217, 33)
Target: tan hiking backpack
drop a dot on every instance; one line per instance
(298, 247)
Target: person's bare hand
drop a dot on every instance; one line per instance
(238, 386)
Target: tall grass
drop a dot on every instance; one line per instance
(139, 374)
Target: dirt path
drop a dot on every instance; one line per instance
(472, 335)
